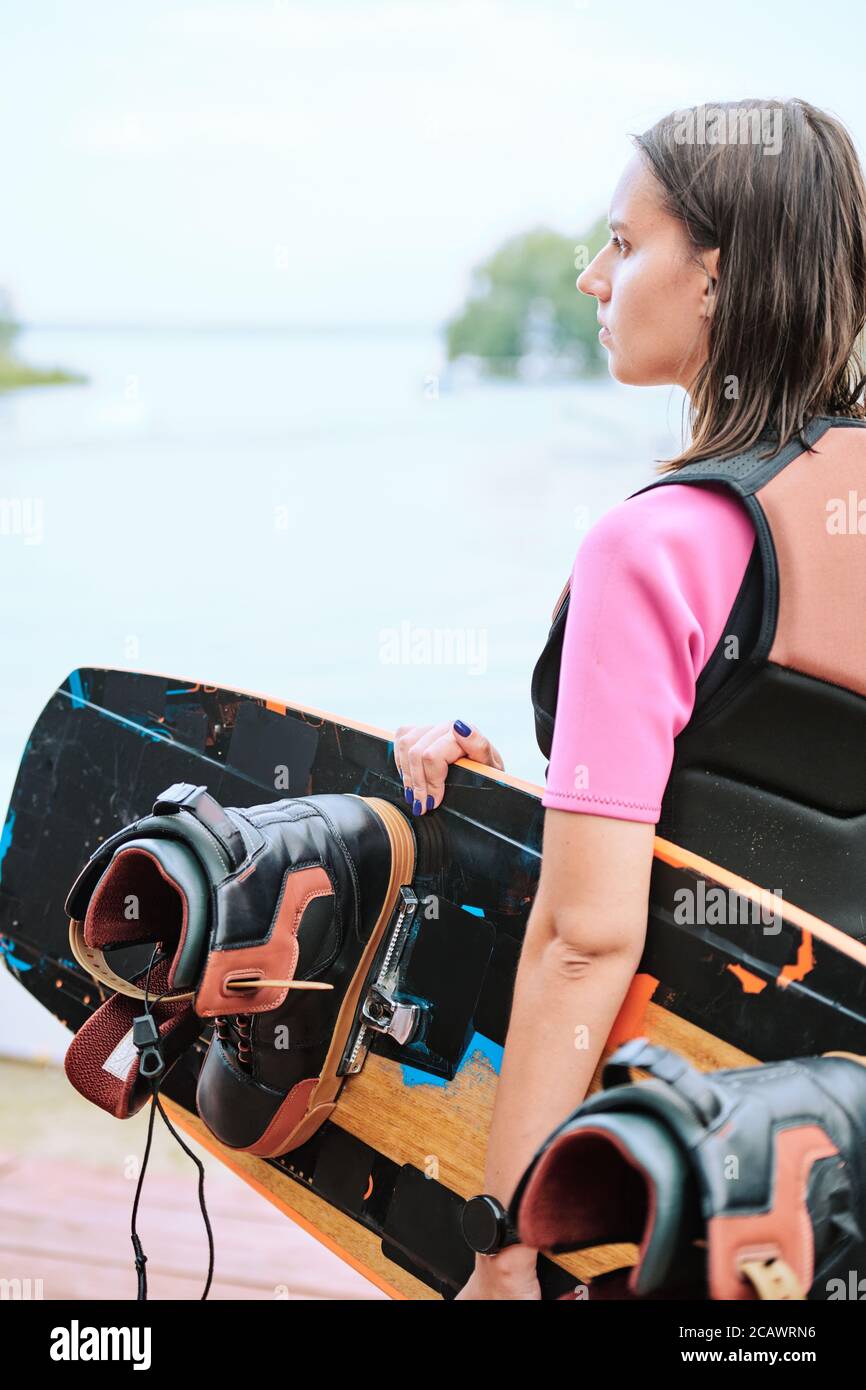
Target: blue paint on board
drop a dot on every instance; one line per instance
(414, 1076)
(12, 961)
(476, 911)
(77, 691)
(6, 839)
(491, 1050)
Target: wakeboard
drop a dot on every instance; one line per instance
(729, 976)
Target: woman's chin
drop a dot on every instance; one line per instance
(619, 372)
(631, 375)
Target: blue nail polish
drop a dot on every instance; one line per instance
(429, 803)
(462, 728)
(407, 792)
(416, 809)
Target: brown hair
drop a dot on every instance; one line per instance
(790, 301)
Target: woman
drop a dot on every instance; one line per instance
(737, 270)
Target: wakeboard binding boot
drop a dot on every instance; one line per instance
(279, 923)
(747, 1183)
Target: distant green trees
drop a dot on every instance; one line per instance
(8, 326)
(524, 308)
(14, 372)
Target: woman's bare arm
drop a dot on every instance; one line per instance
(583, 943)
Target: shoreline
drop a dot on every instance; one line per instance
(15, 374)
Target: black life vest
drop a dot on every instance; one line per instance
(769, 774)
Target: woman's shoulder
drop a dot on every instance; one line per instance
(678, 519)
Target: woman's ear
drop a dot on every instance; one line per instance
(710, 260)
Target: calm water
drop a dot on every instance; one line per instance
(330, 518)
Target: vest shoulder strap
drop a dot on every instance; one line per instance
(745, 473)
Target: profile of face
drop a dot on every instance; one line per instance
(654, 294)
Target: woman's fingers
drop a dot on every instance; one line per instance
(402, 739)
(406, 735)
(428, 768)
(424, 752)
(474, 745)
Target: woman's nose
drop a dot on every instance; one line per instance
(591, 282)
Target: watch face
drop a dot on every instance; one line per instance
(480, 1222)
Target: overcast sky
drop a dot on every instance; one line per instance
(331, 162)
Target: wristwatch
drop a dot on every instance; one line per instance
(486, 1226)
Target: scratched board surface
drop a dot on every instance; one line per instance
(108, 742)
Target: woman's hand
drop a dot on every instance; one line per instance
(423, 753)
(509, 1275)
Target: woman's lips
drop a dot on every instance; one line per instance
(603, 334)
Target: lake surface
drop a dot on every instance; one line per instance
(328, 517)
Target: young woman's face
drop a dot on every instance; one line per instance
(653, 298)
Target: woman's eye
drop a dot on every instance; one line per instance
(617, 242)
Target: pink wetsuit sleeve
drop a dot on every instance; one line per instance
(651, 589)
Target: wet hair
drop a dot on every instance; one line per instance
(777, 186)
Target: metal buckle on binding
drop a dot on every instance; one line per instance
(387, 1015)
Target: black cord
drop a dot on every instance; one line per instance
(140, 1257)
(156, 1104)
(201, 1200)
